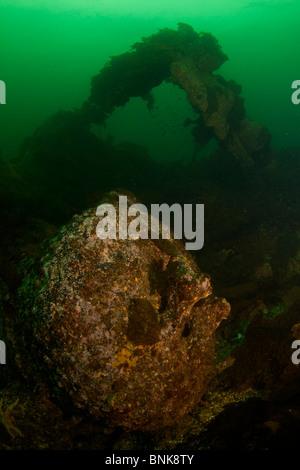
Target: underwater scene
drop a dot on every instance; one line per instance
(150, 229)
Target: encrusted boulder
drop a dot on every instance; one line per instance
(124, 327)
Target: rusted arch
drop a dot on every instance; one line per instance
(188, 59)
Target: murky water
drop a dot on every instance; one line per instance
(50, 50)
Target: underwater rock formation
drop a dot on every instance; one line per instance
(124, 327)
(63, 161)
(188, 60)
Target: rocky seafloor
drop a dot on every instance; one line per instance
(140, 344)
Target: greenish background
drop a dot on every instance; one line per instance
(51, 49)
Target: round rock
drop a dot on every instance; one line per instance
(124, 327)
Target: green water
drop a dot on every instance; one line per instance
(50, 51)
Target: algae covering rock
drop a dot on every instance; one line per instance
(124, 327)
